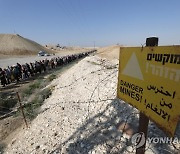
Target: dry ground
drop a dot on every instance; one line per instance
(11, 125)
(110, 52)
(83, 114)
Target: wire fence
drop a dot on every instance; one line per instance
(107, 127)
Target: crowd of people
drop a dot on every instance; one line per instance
(19, 72)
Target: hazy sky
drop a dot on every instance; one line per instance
(83, 22)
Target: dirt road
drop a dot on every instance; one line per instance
(9, 61)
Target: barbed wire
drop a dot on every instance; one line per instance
(105, 80)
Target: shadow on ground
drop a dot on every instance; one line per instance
(2, 147)
(103, 133)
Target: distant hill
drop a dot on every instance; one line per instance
(109, 52)
(14, 44)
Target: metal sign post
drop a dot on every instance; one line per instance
(149, 80)
(143, 127)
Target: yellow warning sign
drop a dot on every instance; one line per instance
(149, 79)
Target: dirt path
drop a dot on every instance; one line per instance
(6, 61)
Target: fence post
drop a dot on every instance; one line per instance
(143, 119)
(21, 107)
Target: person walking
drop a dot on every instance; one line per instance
(3, 77)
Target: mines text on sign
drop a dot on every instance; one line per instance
(149, 79)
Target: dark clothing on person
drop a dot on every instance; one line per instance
(18, 72)
(3, 77)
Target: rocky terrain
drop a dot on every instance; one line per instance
(83, 115)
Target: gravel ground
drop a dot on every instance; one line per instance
(83, 116)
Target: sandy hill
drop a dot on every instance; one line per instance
(11, 44)
(109, 52)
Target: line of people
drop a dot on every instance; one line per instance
(19, 72)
